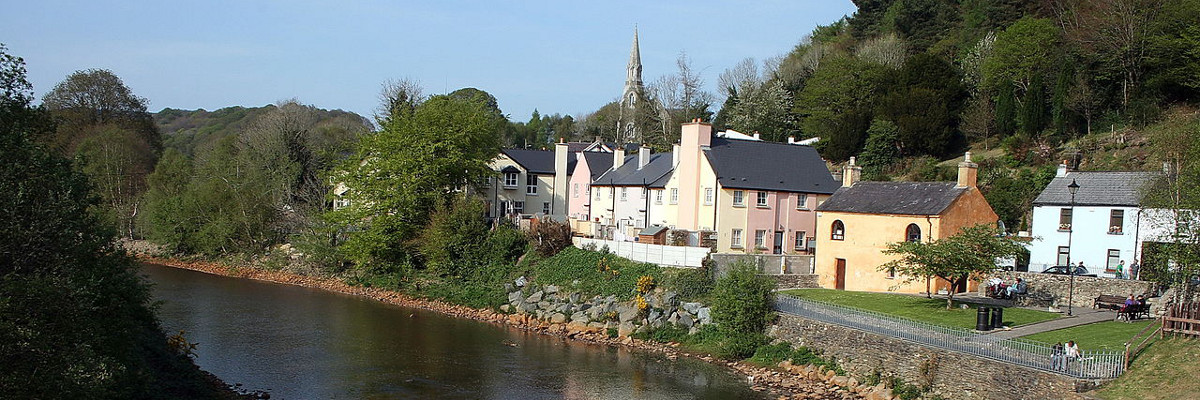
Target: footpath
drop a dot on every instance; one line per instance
(1080, 316)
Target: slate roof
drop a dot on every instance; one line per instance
(1122, 188)
(534, 161)
(748, 164)
(902, 198)
(597, 162)
(628, 175)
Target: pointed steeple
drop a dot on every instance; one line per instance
(633, 72)
(633, 94)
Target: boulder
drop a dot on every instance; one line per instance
(704, 314)
(558, 318)
(686, 321)
(654, 316)
(654, 300)
(505, 308)
(514, 297)
(520, 282)
(575, 297)
(692, 307)
(527, 307)
(535, 297)
(673, 319)
(627, 313)
(550, 289)
(580, 316)
(625, 329)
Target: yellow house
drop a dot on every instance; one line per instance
(855, 225)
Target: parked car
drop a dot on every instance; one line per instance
(1063, 270)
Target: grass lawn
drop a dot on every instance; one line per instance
(917, 307)
(1107, 335)
(1165, 370)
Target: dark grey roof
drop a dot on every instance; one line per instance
(510, 169)
(1122, 188)
(903, 198)
(662, 182)
(751, 164)
(652, 230)
(534, 161)
(629, 174)
(597, 162)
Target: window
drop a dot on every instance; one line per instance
(891, 273)
(597, 194)
(762, 199)
(642, 192)
(487, 208)
(624, 193)
(708, 196)
(518, 207)
(837, 231)
(658, 196)
(1064, 255)
(800, 241)
(735, 239)
(546, 208)
(1064, 219)
(760, 239)
(674, 195)
(913, 233)
(575, 190)
(510, 179)
(1116, 222)
(611, 192)
(1114, 258)
(802, 201)
(739, 198)
(531, 184)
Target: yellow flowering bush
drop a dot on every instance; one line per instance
(645, 284)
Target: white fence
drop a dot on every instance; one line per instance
(674, 256)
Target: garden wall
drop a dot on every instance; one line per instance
(1087, 288)
(951, 375)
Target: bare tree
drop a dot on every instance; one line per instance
(398, 97)
(979, 119)
(682, 97)
(1120, 28)
(887, 50)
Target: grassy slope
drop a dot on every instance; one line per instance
(1165, 370)
(917, 308)
(1108, 335)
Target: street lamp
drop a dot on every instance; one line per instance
(1073, 188)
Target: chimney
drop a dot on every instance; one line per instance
(851, 174)
(696, 134)
(967, 172)
(675, 154)
(618, 157)
(1062, 169)
(643, 156)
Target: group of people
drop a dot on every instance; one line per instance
(1131, 306)
(1120, 272)
(1062, 355)
(998, 289)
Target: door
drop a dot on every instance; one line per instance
(839, 274)
(778, 243)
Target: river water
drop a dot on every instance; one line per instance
(302, 343)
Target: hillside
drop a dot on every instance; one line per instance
(186, 130)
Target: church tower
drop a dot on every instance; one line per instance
(631, 96)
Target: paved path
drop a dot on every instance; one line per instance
(1083, 316)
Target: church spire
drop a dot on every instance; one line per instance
(633, 73)
(633, 94)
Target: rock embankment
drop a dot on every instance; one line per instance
(661, 308)
(787, 381)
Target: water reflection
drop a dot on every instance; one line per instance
(301, 343)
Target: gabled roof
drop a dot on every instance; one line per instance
(534, 161)
(597, 163)
(628, 174)
(749, 164)
(901, 198)
(1120, 188)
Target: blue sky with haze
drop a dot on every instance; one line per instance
(557, 57)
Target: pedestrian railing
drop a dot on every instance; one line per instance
(1037, 355)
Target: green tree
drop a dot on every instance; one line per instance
(837, 103)
(404, 172)
(1174, 260)
(1006, 109)
(881, 150)
(1033, 109)
(970, 253)
(1059, 113)
(1025, 49)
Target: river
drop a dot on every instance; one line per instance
(302, 343)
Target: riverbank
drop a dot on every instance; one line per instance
(793, 382)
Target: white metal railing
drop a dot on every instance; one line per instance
(675, 256)
(1037, 355)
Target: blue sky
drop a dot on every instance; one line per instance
(557, 57)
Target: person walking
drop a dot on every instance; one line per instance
(1120, 271)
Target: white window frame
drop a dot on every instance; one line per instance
(708, 196)
(739, 198)
(642, 193)
(801, 241)
(760, 239)
(763, 199)
(575, 190)
(624, 193)
(674, 195)
(518, 207)
(510, 179)
(837, 234)
(802, 201)
(531, 184)
(658, 195)
(546, 207)
(735, 239)
(1112, 259)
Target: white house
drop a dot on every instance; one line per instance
(1103, 225)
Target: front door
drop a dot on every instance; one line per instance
(839, 275)
(778, 243)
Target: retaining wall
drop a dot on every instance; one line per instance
(1087, 288)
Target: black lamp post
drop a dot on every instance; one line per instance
(1073, 188)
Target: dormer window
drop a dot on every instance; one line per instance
(510, 180)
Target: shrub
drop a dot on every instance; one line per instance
(743, 301)
(690, 283)
(549, 237)
(454, 237)
(593, 272)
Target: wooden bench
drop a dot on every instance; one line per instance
(1109, 301)
(1134, 312)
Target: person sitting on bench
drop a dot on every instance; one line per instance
(1129, 308)
(1019, 288)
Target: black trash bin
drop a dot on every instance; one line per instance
(997, 317)
(981, 319)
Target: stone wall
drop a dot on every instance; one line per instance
(770, 264)
(1055, 287)
(951, 375)
(795, 281)
(551, 303)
